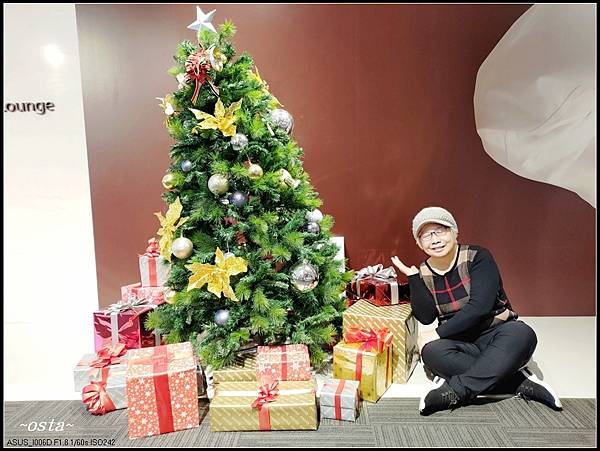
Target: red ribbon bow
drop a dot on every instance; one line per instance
(108, 355)
(266, 393)
(153, 249)
(196, 69)
(95, 398)
(372, 339)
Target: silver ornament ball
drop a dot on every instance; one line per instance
(282, 119)
(314, 215)
(238, 199)
(239, 141)
(221, 317)
(182, 248)
(186, 166)
(218, 184)
(304, 277)
(313, 227)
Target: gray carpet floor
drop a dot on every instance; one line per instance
(389, 423)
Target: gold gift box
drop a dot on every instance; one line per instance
(231, 408)
(243, 370)
(376, 374)
(400, 322)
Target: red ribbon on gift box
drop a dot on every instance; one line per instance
(160, 377)
(284, 362)
(338, 400)
(95, 397)
(371, 340)
(266, 393)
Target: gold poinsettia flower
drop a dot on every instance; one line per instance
(217, 275)
(224, 118)
(169, 224)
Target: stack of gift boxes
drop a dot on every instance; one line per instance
(380, 333)
(159, 384)
(271, 389)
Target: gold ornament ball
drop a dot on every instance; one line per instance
(182, 248)
(168, 181)
(255, 171)
(170, 296)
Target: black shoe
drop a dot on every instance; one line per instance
(534, 389)
(441, 397)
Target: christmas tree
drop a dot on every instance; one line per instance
(250, 253)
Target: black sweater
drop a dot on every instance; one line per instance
(466, 300)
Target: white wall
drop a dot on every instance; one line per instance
(50, 286)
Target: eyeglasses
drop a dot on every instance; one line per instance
(426, 237)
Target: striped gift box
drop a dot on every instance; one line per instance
(400, 322)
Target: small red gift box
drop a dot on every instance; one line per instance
(124, 323)
(154, 269)
(284, 363)
(378, 286)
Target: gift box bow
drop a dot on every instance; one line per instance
(376, 271)
(266, 393)
(153, 249)
(95, 397)
(108, 355)
(132, 303)
(372, 339)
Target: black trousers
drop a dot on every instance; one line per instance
(488, 364)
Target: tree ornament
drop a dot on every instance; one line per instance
(218, 184)
(216, 58)
(226, 255)
(282, 119)
(168, 181)
(304, 276)
(169, 224)
(166, 103)
(186, 166)
(182, 248)
(181, 81)
(314, 215)
(170, 296)
(217, 275)
(286, 179)
(239, 141)
(238, 199)
(221, 317)
(255, 171)
(240, 238)
(196, 69)
(313, 227)
(203, 20)
(223, 120)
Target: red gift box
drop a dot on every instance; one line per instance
(137, 291)
(124, 323)
(284, 363)
(378, 286)
(162, 390)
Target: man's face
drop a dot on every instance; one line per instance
(436, 240)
